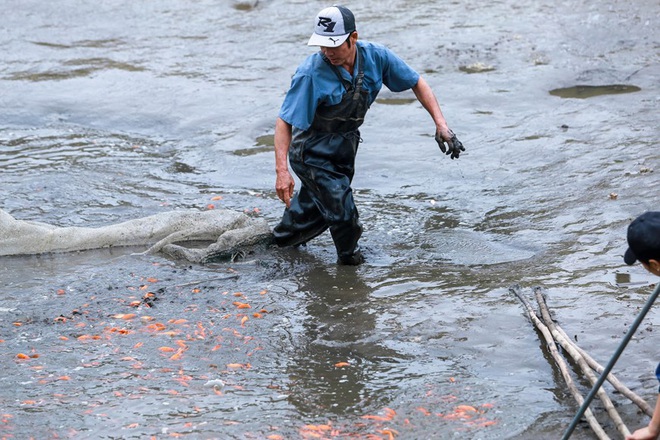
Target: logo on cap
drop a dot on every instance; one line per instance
(327, 23)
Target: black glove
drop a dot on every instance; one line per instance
(453, 147)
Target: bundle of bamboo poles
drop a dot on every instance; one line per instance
(554, 336)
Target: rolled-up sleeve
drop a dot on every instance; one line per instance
(398, 75)
(300, 103)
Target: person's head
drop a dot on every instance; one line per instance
(644, 241)
(335, 33)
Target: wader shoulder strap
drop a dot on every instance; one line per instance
(360, 76)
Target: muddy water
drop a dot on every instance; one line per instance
(118, 110)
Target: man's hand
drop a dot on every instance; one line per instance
(453, 147)
(643, 434)
(284, 186)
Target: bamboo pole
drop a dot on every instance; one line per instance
(612, 361)
(582, 363)
(611, 378)
(591, 419)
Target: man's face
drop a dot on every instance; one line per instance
(342, 55)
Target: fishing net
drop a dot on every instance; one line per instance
(230, 231)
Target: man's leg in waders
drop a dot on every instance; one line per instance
(301, 222)
(336, 204)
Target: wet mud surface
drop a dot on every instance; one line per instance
(118, 111)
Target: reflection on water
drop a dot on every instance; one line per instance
(254, 150)
(583, 92)
(80, 68)
(395, 101)
(330, 370)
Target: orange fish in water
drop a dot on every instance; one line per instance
(389, 415)
(320, 428)
(465, 408)
(390, 433)
(124, 316)
(159, 326)
(176, 356)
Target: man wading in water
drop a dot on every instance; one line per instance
(317, 129)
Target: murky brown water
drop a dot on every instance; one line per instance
(117, 110)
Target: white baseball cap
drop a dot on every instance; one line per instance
(332, 27)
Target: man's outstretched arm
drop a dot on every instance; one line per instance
(427, 98)
(443, 134)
